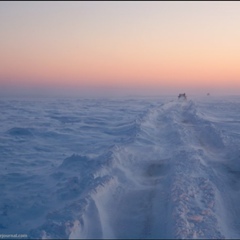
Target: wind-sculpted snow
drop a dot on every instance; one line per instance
(126, 168)
(19, 131)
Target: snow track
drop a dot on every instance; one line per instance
(169, 187)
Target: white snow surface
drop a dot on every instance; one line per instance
(120, 168)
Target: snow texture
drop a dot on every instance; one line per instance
(120, 168)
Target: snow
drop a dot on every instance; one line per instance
(77, 168)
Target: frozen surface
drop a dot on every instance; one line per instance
(120, 168)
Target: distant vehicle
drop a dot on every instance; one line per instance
(182, 96)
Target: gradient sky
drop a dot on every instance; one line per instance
(158, 45)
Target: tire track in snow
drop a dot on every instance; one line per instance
(163, 185)
(188, 210)
(193, 193)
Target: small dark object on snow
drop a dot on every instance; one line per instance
(182, 96)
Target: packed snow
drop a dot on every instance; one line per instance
(78, 168)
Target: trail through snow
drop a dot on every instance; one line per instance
(173, 187)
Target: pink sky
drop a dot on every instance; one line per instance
(165, 45)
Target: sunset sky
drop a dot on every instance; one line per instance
(136, 45)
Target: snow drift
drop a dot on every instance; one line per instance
(132, 168)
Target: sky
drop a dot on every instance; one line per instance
(151, 46)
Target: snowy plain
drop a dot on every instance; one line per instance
(153, 167)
